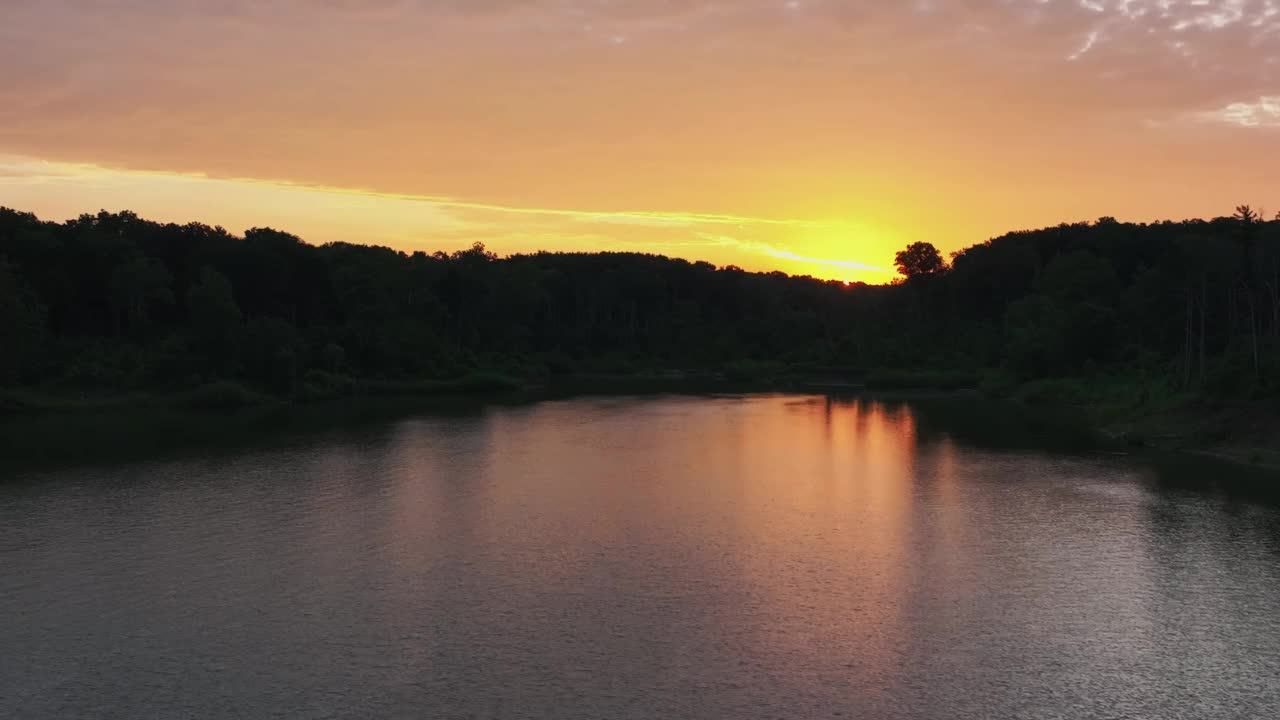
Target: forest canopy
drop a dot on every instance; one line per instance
(115, 301)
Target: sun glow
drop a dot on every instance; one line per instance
(407, 222)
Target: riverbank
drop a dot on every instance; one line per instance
(1122, 414)
(56, 426)
(1247, 433)
(39, 426)
(1146, 414)
(1126, 413)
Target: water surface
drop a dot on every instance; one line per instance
(672, 557)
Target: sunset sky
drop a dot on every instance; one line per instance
(812, 136)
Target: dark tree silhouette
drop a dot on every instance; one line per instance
(920, 259)
(112, 301)
(21, 326)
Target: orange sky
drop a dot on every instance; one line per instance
(812, 136)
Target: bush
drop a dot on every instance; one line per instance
(220, 395)
(998, 385)
(476, 382)
(559, 363)
(485, 382)
(612, 363)
(751, 370)
(13, 402)
(321, 385)
(923, 379)
(1050, 392)
(333, 357)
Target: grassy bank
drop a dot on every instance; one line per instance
(226, 395)
(941, 380)
(1132, 412)
(40, 425)
(1142, 412)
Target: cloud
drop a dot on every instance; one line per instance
(781, 253)
(1261, 113)
(80, 56)
(323, 214)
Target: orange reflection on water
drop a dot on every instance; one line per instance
(785, 516)
(826, 539)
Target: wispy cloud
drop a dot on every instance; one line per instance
(325, 213)
(784, 254)
(25, 169)
(1261, 113)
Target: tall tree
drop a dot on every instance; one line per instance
(920, 259)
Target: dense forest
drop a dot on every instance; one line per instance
(113, 301)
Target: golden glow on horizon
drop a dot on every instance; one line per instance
(326, 214)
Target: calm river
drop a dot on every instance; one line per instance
(656, 558)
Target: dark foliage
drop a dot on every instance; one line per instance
(116, 302)
(919, 260)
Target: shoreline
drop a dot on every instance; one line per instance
(53, 430)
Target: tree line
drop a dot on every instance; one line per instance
(115, 301)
